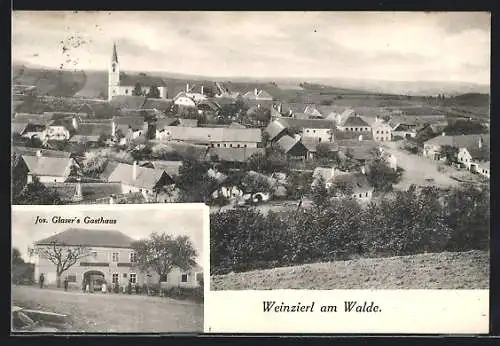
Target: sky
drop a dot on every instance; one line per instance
(136, 222)
(392, 46)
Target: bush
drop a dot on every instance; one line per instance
(428, 220)
(185, 293)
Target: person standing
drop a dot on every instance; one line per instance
(41, 279)
(104, 287)
(66, 282)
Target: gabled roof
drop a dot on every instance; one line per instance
(171, 167)
(311, 144)
(146, 178)
(44, 152)
(159, 104)
(167, 121)
(479, 154)
(235, 154)
(460, 141)
(37, 119)
(306, 123)
(485, 165)
(355, 121)
(94, 129)
(313, 111)
(214, 134)
(48, 166)
(287, 143)
(274, 129)
(358, 182)
(185, 149)
(126, 122)
(90, 191)
(89, 238)
(261, 94)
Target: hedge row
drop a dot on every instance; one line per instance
(411, 222)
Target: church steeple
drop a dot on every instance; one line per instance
(114, 58)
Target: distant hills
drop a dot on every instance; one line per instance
(412, 88)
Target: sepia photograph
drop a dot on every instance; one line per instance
(334, 150)
(118, 269)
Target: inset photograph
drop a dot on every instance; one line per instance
(108, 269)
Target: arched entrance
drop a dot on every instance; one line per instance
(94, 278)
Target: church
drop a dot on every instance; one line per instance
(124, 84)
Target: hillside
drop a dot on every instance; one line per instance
(460, 270)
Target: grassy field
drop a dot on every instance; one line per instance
(113, 313)
(461, 270)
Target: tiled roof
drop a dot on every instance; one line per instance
(261, 94)
(90, 191)
(313, 111)
(234, 154)
(286, 143)
(48, 166)
(357, 181)
(94, 129)
(306, 123)
(146, 178)
(90, 238)
(461, 141)
(167, 121)
(355, 121)
(274, 129)
(84, 138)
(18, 127)
(485, 165)
(479, 154)
(126, 122)
(188, 150)
(159, 104)
(39, 119)
(171, 167)
(311, 144)
(44, 152)
(211, 134)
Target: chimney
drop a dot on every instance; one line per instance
(256, 92)
(113, 128)
(134, 171)
(480, 143)
(39, 153)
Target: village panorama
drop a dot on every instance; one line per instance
(348, 182)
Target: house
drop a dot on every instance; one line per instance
(161, 124)
(292, 146)
(354, 123)
(172, 168)
(319, 129)
(48, 169)
(84, 192)
(182, 99)
(311, 145)
(354, 184)
(483, 168)
(432, 147)
(313, 112)
(91, 132)
(134, 178)
(403, 131)
(216, 137)
(188, 122)
(19, 173)
(471, 154)
(381, 130)
(120, 84)
(234, 155)
(341, 117)
(107, 257)
(258, 94)
(130, 126)
(19, 150)
(359, 150)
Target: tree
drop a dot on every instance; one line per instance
(162, 253)
(137, 90)
(319, 193)
(34, 142)
(195, 183)
(16, 257)
(94, 163)
(36, 193)
(323, 151)
(450, 153)
(154, 92)
(62, 256)
(255, 182)
(381, 176)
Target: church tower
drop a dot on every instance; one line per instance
(113, 75)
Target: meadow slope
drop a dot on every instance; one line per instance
(460, 270)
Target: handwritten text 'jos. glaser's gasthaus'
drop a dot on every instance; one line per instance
(349, 306)
(74, 220)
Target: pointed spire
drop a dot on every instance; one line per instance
(115, 55)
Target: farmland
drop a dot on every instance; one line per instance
(447, 270)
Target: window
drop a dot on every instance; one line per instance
(238, 145)
(225, 145)
(314, 131)
(356, 129)
(114, 278)
(360, 195)
(366, 194)
(71, 278)
(213, 145)
(184, 278)
(115, 257)
(126, 91)
(133, 278)
(133, 257)
(377, 132)
(94, 254)
(307, 130)
(231, 145)
(386, 132)
(218, 144)
(245, 145)
(124, 275)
